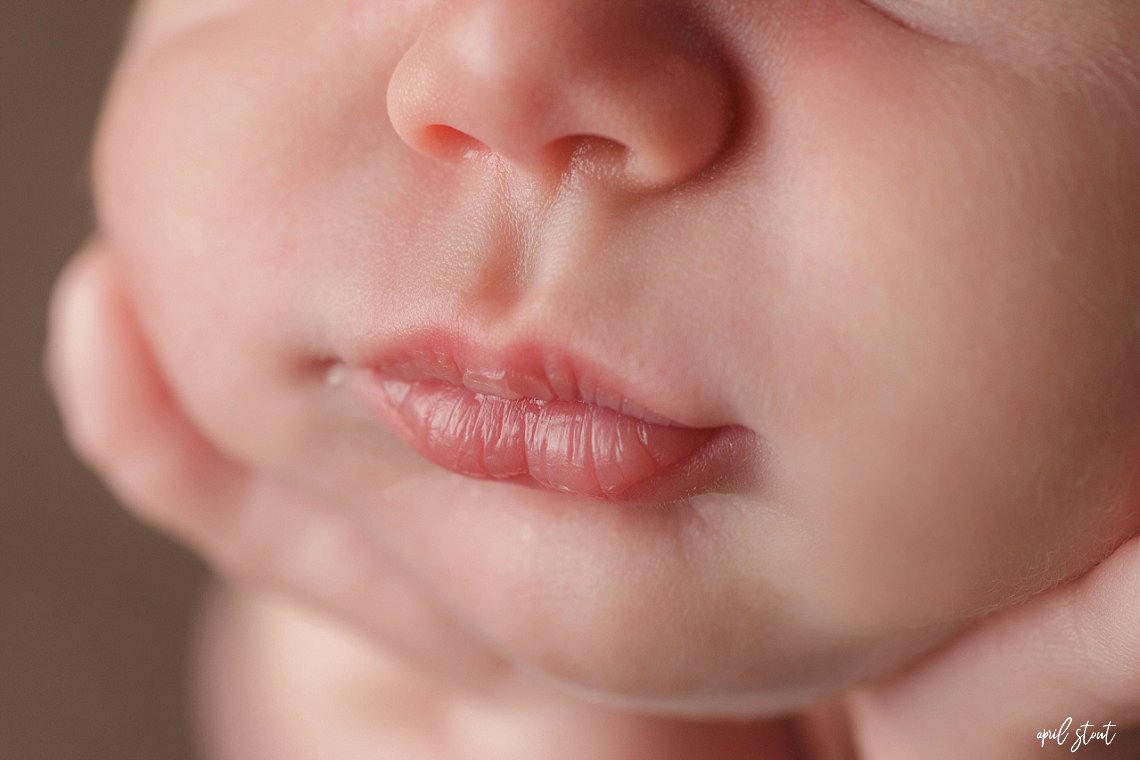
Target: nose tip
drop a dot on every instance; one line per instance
(624, 89)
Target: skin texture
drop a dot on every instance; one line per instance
(898, 242)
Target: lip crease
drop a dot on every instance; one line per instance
(533, 416)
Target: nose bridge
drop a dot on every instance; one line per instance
(630, 85)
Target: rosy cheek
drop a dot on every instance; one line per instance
(156, 20)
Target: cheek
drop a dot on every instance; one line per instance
(958, 396)
(219, 170)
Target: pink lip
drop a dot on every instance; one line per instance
(537, 417)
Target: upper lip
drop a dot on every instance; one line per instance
(529, 369)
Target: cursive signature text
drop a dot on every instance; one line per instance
(1084, 734)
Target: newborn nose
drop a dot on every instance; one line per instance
(628, 88)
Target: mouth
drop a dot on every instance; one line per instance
(540, 418)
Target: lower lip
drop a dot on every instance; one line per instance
(571, 447)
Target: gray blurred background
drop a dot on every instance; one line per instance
(95, 610)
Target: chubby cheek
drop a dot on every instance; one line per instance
(961, 354)
(216, 188)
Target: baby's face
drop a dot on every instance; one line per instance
(883, 257)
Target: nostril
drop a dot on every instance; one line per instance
(593, 155)
(448, 142)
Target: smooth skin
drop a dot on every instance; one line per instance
(897, 241)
